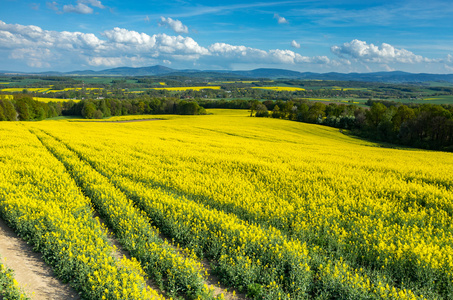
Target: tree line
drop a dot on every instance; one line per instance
(24, 108)
(427, 126)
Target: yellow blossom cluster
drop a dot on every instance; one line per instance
(132, 228)
(9, 287)
(282, 210)
(43, 204)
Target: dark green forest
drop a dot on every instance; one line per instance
(24, 108)
(426, 126)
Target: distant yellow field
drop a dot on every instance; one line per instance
(4, 82)
(47, 100)
(72, 89)
(41, 99)
(186, 88)
(162, 83)
(14, 90)
(279, 88)
(239, 81)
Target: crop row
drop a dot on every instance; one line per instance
(43, 204)
(394, 219)
(9, 287)
(245, 254)
(175, 273)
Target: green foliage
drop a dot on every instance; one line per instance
(88, 110)
(254, 291)
(9, 288)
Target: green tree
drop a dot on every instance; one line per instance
(261, 111)
(403, 114)
(376, 114)
(316, 112)
(88, 110)
(23, 111)
(188, 108)
(9, 110)
(2, 114)
(253, 105)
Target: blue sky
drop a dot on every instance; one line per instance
(316, 36)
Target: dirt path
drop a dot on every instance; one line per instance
(32, 273)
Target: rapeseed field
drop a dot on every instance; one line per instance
(279, 209)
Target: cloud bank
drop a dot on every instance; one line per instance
(38, 48)
(384, 53)
(119, 46)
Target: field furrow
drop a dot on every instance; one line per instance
(176, 274)
(277, 209)
(201, 229)
(42, 203)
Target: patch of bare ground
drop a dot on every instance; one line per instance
(30, 271)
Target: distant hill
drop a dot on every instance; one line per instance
(394, 77)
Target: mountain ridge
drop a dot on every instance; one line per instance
(265, 73)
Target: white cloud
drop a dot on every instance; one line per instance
(175, 25)
(361, 51)
(83, 6)
(281, 20)
(95, 3)
(35, 47)
(35, 58)
(121, 35)
(80, 8)
(295, 44)
(105, 61)
(252, 55)
(126, 40)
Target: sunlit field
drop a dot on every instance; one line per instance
(186, 88)
(278, 209)
(279, 88)
(47, 100)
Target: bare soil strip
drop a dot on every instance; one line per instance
(30, 271)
